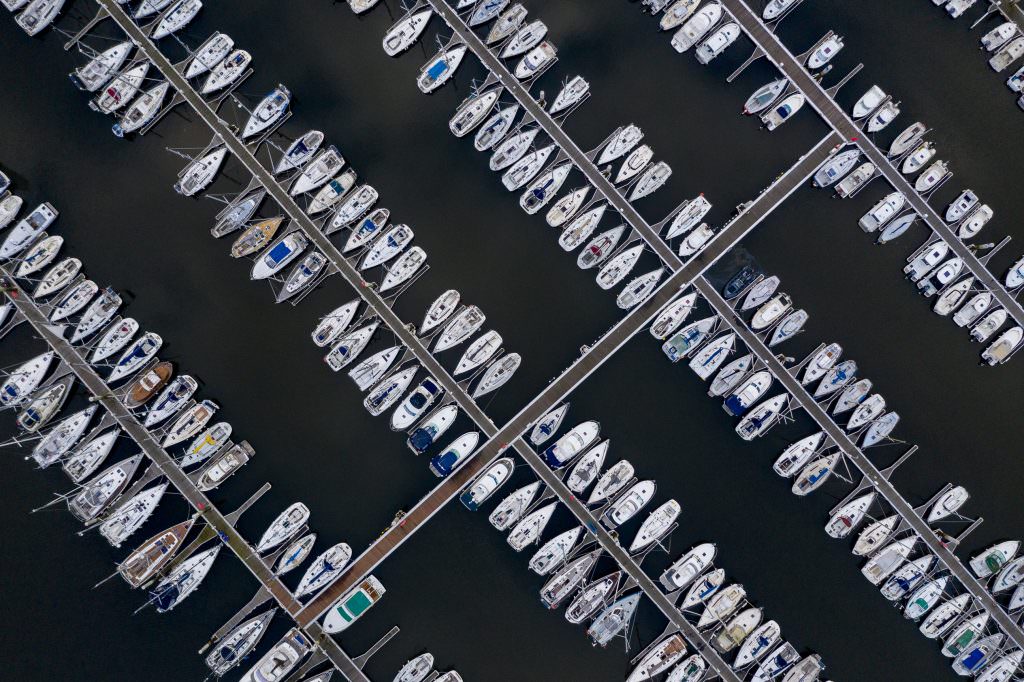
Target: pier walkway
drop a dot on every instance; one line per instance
(823, 103)
(166, 465)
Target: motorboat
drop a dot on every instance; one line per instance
(637, 290)
(692, 212)
(171, 400)
(175, 18)
(487, 483)
(525, 39)
(572, 444)
(916, 160)
(948, 503)
(814, 474)
(440, 310)
(849, 516)
(99, 70)
(27, 230)
(497, 375)
(821, 362)
(279, 254)
(206, 444)
(677, 13)
(415, 404)
(143, 110)
(472, 111)
(883, 116)
(709, 358)
(324, 569)
(765, 96)
(567, 206)
(295, 554)
(529, 529)
(883, 564)
(389, 390)
(798, 454)
(236, 645)
(183, 580)
(659, 658)
(952, 296)
(592, 597)
(974, 221)
(93, 497)
(350, 346)
(696, 27)
(1006, 55)
(650, 181)
(966, 201)
(883, 211)
(507, 24)
(613, 620)
(717, 42)
(221, 466)
(543, 188)
(571, 94)
(926, 260)
(387, 246)
(825, 52)
(511, 509)
(688, 567)
(730, 375)
(988, 325)
(941, 276)
(62, 437)
(372, 369)
(628, 504)
(198, 175)
(613, 480)
(440, 68)
(880, 428)
(318, 171)
(771, 311)
(566, 579)
(283, 528)
(84, 460)
(748, 392)
(703, 588)
(548, 424)
(655, 526)
(868, 102)
(463, 325)
(989, 561)
(634, 164)
(781, 112)
(495, 128)
(581, 227)
(621, 142)
(332, 193)
(535, 61)
(256, 237)
(673, 315)
(852, 183)
(835, 168)
(600, 247)
(131, 514)
(455, 455)
(587, 467)
(281, 659)
(554, 552)
(526, 169)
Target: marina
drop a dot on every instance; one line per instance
(501, 439)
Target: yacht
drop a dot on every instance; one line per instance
(821, 362)
(507, 24)
(866, 411)
(544, 187)
(366, 229)
(494, 129)
(135, 356)
(369, 371)
(918, 158)
(814, 474)
(567, 206)
(988, 325)
(581, 227)
(98, 71)
(572, 444)
(599, 248)
(651, 180)
(762, 417)
(529, 529)
(116, 94)
(175, 18)
(440, 68)
(628, 504)
(255, 237)
(511, 509)
(183, 580)
(887, 560)
(332, 192)
(1007, 54)
(707, 361)
(334, 324)
(587, 467)
(948, 503)
(440, 310)
(190, 423)
(417, 669)
(765, 96)
(282, 529)
(513, 149)
(455, 455)
(886, 207)
(637, 291)
(279, 254)
(151, 556)
(868, 102)
(281, 659)
(796, 456)
(825, 52)
(852, 183)
(849, 516)
(387, 246)
(973, 309)
(406, 31)
(526, 169)
(998, 36)
(487, 483)
(835, 168)
(526, 38)
(236, 645)
(206, 444)
(783, 658)
(613, 620)
(659, 658)
(318, 171)
(703, 588)
(463, 325)
(592, 597)
(696, 27)
(472, 111)
(25, 232)
(479, 352)
(221, 466)
(535, 61)
(717, 42)
(299, 152)
(567, 578)
(974, 221)
(93, 497)
(143, 110)
(10, 205)
(389, 390)
(952, 296)
(350, 346)
(73, 300)
(497, 375)
(655, 526)
(355, 205)
(617, 477)
(926, 260)
(87, 457)
(57, 278)
(131, 514)
(554, 552)
(757, 644)
(571, 94)
(39, 14)
(907, 139)
(692, 212)
(781, 112)
(907, 578)
(880, 429)
(415, 404)
(885, 115)
(991, 560)
(874, 535)
(211, 52)
(622, 141)
(636, 163)
(100, 312)
(677, 13)
(547, 425)
(688, 567)
(295, 554)
(324, 569)
(198, 175)
(62, 437)
(771, 311)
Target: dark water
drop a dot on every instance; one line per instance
(456, 588)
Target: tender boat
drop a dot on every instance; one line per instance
(221, 466)
(571, 94)
(478, 353)
(628, 504)
(131, 514)
(183, 580)
(206, 444)
(507, 24)
(472, 111)
(613, 620)
(350, 346)
(547, 425)
(637, 162)
(511, 509)
(617, 477)
(796, 456)
(318, 172)
(440, 68)
(98, 71)
(696, 27)
(497, 375)
(236, 645)
(592, 597)
(281, 659)
(282, 529)
(487, 483)
(586, 469)
(525, 39)
(651, 180)
(324, 569)
(389, 390)
(455, 455)
(553, 552)
(948, 503)
(814, 475)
